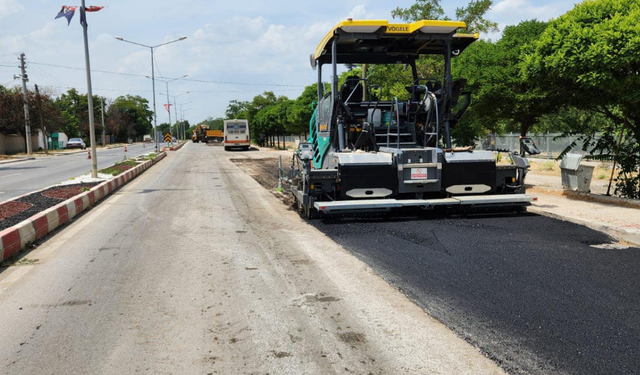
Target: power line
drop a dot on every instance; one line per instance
(92, 70)
(184, 79)
(190, 91)
(157, 67)
(240, 83)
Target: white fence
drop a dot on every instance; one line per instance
(549, 146)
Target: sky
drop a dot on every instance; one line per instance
(234, 50)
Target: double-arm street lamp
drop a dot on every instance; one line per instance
(166, 81)
(153, 75)
(175, 110)
(184, 130)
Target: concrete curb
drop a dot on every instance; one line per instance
(16, 160)
(620, 234)
(587, 197)
(17, 238)
(176, 148)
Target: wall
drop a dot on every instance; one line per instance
(14, 144)
(11, 144)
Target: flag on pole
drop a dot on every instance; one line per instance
(83, 14)
(66, 12)
(168, 107)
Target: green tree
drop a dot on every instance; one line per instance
(503, 100)
(130, 117)
(214, 123)
(74, 109)
(12, 113)
(237, 109)
(302, 109)
(590, 57)
(473, 14)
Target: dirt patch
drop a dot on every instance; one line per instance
(265, 172)
(117, 169)
(19, 262)
(40, 201)
(9, 209)
(282, 354)
(352, 338)
(66, 192)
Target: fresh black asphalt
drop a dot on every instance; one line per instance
(529, 291)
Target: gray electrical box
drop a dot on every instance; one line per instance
(575, 176)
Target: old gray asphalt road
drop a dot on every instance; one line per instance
(26, 176)
(193, 268)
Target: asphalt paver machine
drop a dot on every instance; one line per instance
(365, 154)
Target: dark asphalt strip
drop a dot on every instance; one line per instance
(529, 291)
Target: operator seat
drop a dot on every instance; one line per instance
(351, 90)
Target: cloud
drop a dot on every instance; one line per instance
(359, 12)
(258, 46)
(512, 12)
(10, 7)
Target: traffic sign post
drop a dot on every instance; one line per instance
(167, 138)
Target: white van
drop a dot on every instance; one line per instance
(236, 134)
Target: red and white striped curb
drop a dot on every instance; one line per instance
(16, 238)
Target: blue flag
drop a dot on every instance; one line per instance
(66, 12)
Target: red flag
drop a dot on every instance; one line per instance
(93, 8)
(168, 107)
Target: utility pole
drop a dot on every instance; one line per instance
(103, 132)
(27, 125)
(364, 82)
(169, 108)
(175, 104)
(155, 115)
(92, 131)
(44, 128)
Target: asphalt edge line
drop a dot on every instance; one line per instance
(17, 160)
(16, 238)
(619, 234)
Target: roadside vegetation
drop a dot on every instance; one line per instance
(118, 168)
(126, 117)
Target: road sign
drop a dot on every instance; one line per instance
(167, 137)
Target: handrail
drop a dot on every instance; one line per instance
(395, 99)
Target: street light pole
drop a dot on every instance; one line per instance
(175, 105)
(168, 107)
(155, 115)
(168, 103)
(153, 79)
(92, 131)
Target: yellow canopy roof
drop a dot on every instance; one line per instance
(377, 41)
